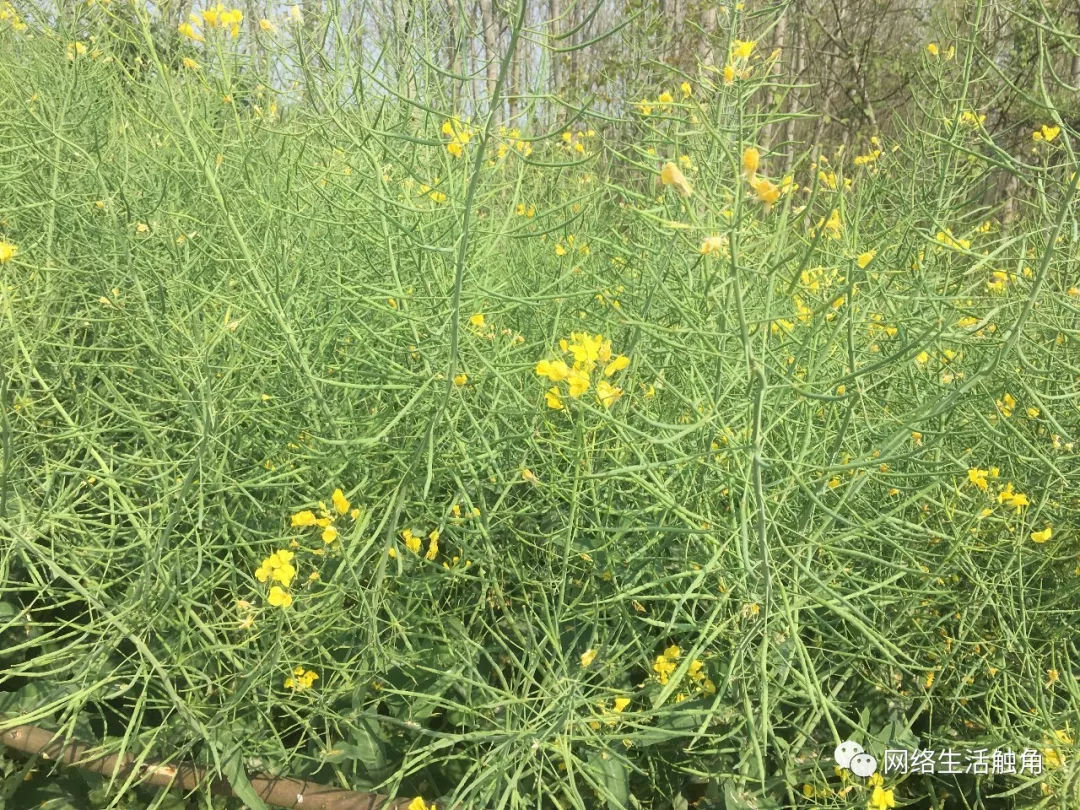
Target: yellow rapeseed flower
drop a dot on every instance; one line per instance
(751, 158)
(305, 518)
(578, 382)
(301, 679)
(671, 175)
(554, 370)
(7, 252)
(766, 191)
(188, 30)
(713, 244)
(607, 393)
(881, 799)
(412, 542)
(1043, 536)
(341, 503)
(978, 477)
(616, 365)
(743, 48)
(279, 597)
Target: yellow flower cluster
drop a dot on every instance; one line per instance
(301, 679)
(671, 175)
(325, 519)
(9, 15)
(424, 190)
(216, 17)
(220, 17)
(663, 101)
(697, 675)
(611, 717)
(946, 238)
(412, 543)
(741, 49)
(1007, 495)
(1052, 756)
(738, 64)
(1007, 404)
(7, 252)
(878, 328)
(867, 159)
(999, 280)
(819, 278)
(1042, 536)
(666, 663)
(459, 134)
(576, 140)
(562, 250)
(512, 140)
(832, 227)
(1046, 133)
(278, 567)
(933, 50)
(766, 191)
(881, 799)
(590, 353)
(1017, 500)
(714, 244)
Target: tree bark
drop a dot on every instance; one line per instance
(707, 52)
(491, 56)
(555, 12)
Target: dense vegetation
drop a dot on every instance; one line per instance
(621, 410)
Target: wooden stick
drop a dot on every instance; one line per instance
(278, 791)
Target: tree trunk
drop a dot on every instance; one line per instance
(707, 51)
(798, 62)
(491, 56)
(575, 55)
(781, 43)
(555, 12)
(514, 91)
(453, 50)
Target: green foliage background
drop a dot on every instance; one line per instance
(222, 310)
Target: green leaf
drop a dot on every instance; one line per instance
(367, 749)
(32, 696)
(370, 750)
(232, 768)
(744, 798)
(612, 775)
